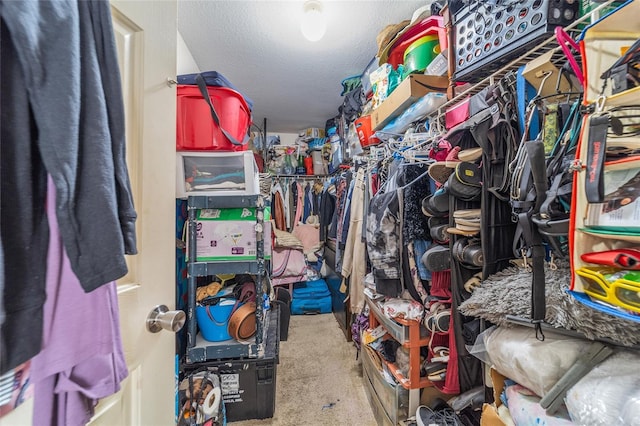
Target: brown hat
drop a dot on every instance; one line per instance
(388, 33)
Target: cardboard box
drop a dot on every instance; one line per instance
(439, 66)
(229, 234)
(410, 90)
(536, 70)
(490, 415)
(311, 132)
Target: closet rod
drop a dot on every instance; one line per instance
(302, 177)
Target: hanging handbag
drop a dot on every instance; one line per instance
(288, 263)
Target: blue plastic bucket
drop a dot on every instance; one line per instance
(214, 323)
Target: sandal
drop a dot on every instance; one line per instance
(473, 282)
(440, 354)
(438, 377)
(438, 322)
(434, 369)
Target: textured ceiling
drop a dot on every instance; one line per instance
(294, 83)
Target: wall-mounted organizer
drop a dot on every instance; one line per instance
(605, 214)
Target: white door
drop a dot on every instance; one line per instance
(146, 35)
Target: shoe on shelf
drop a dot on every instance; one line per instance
(452, 159)
(440, 354)
(438, 322)
(467, 213)
(439, 233)
(474, 282)
(440, 172)
(468, 251)
(434, 367)
(470, 224)
(436, 204)
(457, 230)
(426, 416)
(470, 155)
(437, 377)
(437, 258)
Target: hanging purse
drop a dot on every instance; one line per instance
(288, 263)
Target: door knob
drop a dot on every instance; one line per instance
(161, 318)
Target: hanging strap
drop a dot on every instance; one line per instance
(594, 183)
(202, 85)
(214, 320)
(566, 43)
(535, 152)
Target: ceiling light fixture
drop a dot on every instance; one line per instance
(313, 25)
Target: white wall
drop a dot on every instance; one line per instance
(286, 138)
(186, 64)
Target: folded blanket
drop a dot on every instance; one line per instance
(508, 292)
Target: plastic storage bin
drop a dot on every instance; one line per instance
(420, 54)
(213, 320)
(216, 173)
(195, 128)
(365, 133)
(311, 297)
(248, 385)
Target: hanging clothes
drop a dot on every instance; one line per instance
(354, 260)
(23, 224)
(81, 359)
(383, 242)
(308, 202)
(327, 212)
(62, 95)
(343, 221)
(293, 204)
(415, 182)
(278, 207)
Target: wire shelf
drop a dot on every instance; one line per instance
(549, 44)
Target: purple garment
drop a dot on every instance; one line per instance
(81, 359)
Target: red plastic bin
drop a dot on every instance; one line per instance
(365, 134)
(196, 130)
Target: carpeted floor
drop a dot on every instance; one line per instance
(318, 380)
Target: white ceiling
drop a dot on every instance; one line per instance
(258, 45)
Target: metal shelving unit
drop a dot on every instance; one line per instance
(198, 349)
